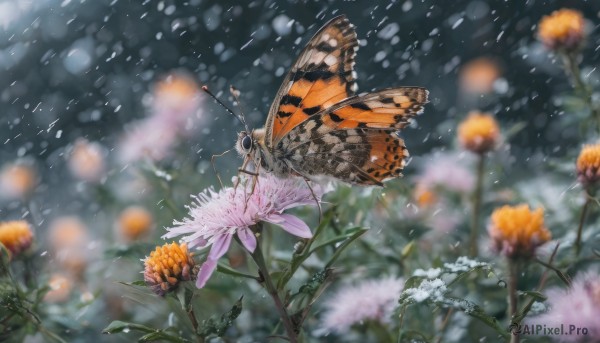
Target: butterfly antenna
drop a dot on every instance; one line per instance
(236, 95)
(207, 91)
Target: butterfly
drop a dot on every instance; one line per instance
(317, 126)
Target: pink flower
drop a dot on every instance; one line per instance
(577, 307)
(448, 171)
(370, 300)
(216, 217)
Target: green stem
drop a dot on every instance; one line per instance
(580, 228)
(572, 70)
(194, 322)
(258, 257)
(476, 206)
(513, 272)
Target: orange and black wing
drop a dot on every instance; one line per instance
(356, 140)
(322, 76)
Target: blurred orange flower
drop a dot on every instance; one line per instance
(479, 132)
(86, 161)
(60, 289)
(134, 223)
(68, 237)
(563, 29)
(16, 181)
(478, 75)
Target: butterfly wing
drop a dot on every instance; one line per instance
(321, 77)
(355, 140)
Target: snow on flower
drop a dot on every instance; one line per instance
(216, 217)
(428, 289)
(578, 306)
(373, 300)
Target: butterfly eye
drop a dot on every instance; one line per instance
(246, 143)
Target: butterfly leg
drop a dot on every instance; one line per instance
(314, 197)
(212, 161)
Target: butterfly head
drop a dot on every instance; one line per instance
(245, 144)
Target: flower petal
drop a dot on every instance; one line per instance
(205, 272)
(291, 224)
(247, 238)
(219, 247)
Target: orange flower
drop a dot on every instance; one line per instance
(60, 289)
(68, 237)
(16, 236)
(479, 132)
(87, 161)
(176, 90)
(588, 165)
(424, 196)
(167, 266)
(134, 223)
(563, 29)
(478, 75)
(517, 231)
(16, 181)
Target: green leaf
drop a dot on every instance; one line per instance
(118, 326)
(212, 326)
(222, 268)
(161, 336)
(359, 232)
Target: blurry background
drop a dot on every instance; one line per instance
(91, 89)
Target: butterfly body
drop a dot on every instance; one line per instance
(317, 126)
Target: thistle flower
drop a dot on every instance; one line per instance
(134, 223)
(577, 306)
(478, 76)
(87, 161)
(563, 29)
(16, 236)
(516, 231)
(370, 300)
(588, 165)
(16, 181)
(166, 266)
(216, 217)
(479, 132)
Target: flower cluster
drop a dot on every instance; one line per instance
(216, 217)
(516, 231)
(16, 236)
(479, 132)
(166, 266)
(563, 29)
